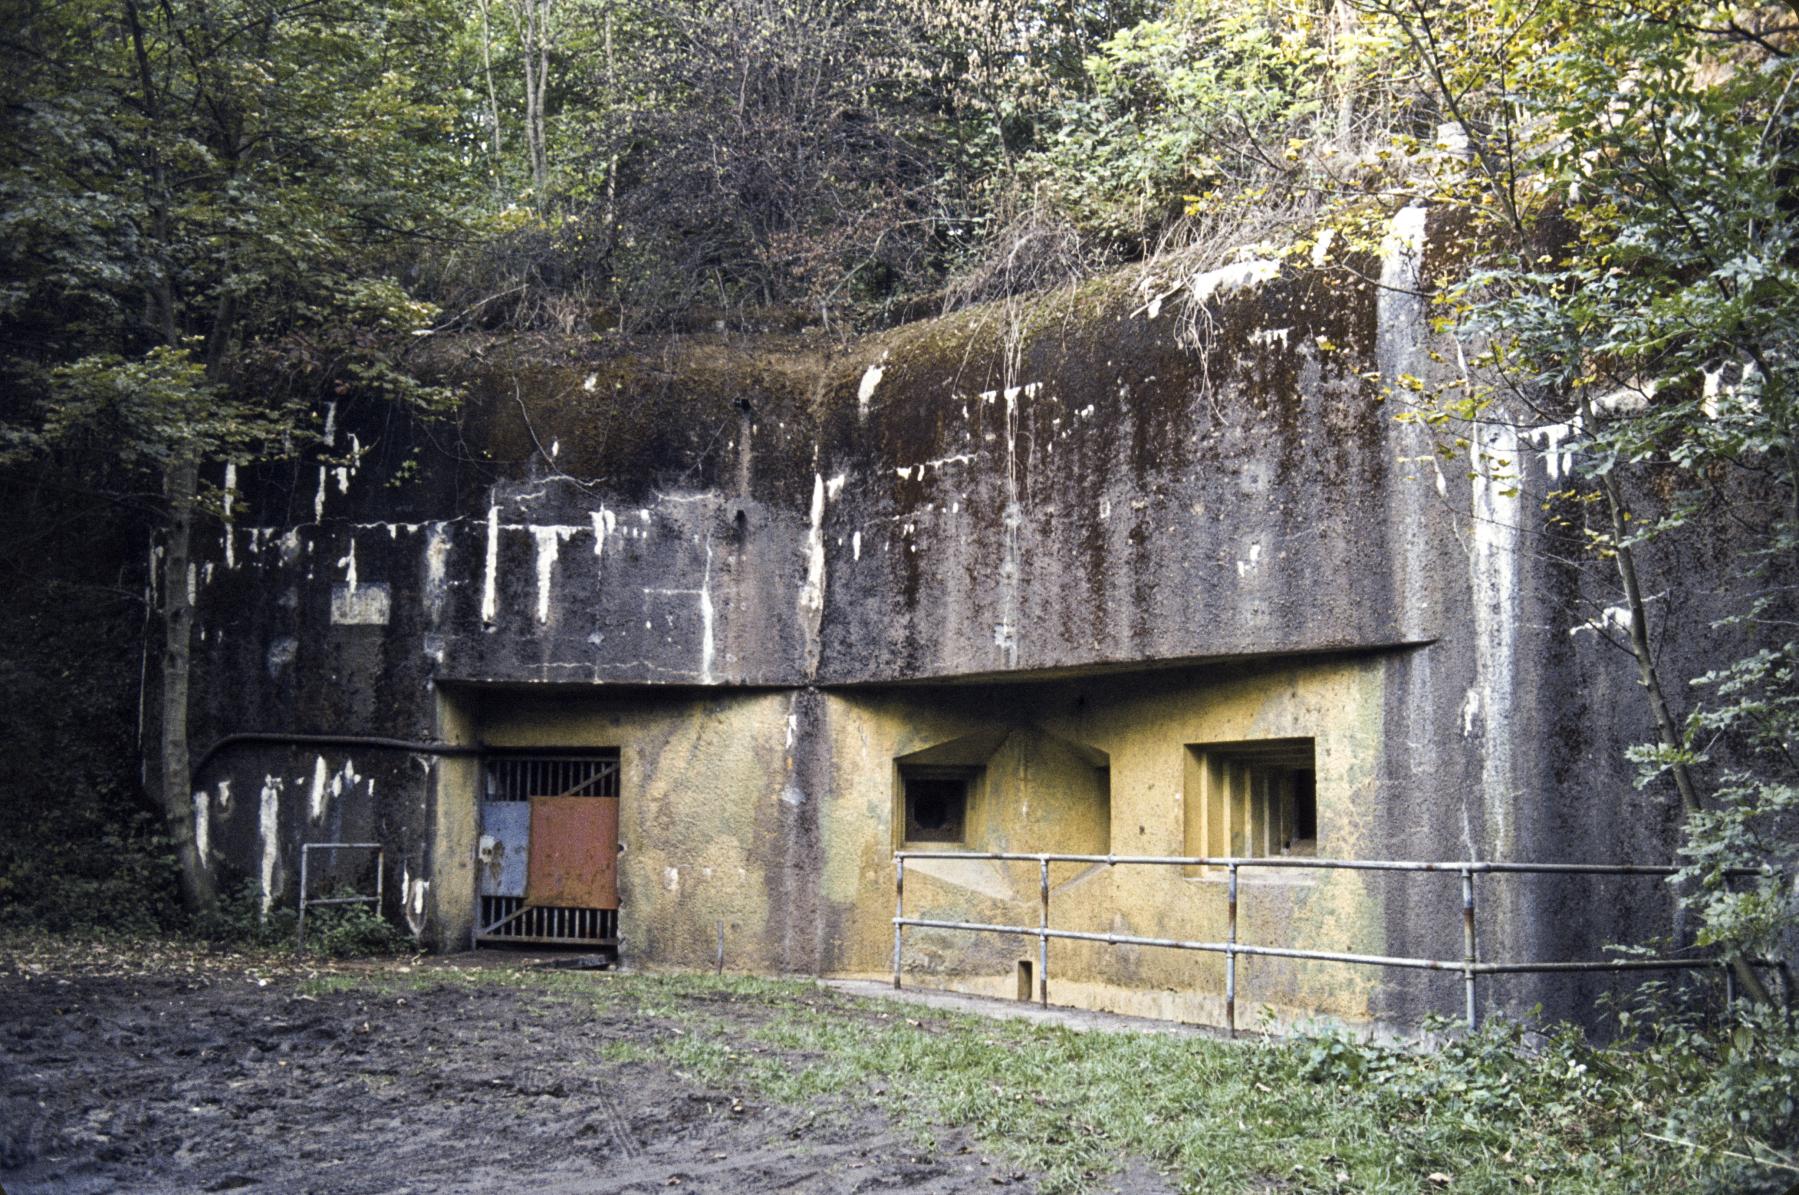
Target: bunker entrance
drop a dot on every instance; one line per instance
(548, 854)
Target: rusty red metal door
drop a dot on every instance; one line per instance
(573, 852)
(547, 859)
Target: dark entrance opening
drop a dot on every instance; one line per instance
(936, 806)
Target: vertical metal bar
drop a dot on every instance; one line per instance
(301, 944)
(1468, 949)
(380, 872)
(899, 910)
(1230, 955)
(1043, 936)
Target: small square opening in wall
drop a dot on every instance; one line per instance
(936, 803)
(1252, 799)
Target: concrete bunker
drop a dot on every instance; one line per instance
(1067, 598)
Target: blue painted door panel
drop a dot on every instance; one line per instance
(505, 847)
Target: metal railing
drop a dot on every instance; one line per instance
(307, 902)
(1469, 965)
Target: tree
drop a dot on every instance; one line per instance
(208, 202)
(1632, 191)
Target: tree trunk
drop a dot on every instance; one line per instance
(174, 791)
(493, 97)
(1667, 729)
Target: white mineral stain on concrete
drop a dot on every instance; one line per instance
(1494, 582)
(865, 391)
(315, 798)
(348, 564)
(490, 595)
(437, 559)
(1251, 562)
(1321, 248)
(345, 780)
(413, 894)
(1612, 618)
(202, 820)
(604, 523)
(1236, 276)
(548, 539)
(1470, 713)
(268, 826)
(812, 593)
(1627, 400)
(1550, 439)
(707, 645)
(1402, 249)
(230, 500)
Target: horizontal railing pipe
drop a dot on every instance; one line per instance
(1303, 863)
(1469, 965)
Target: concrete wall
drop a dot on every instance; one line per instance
(1143, 726)
(1093, 529)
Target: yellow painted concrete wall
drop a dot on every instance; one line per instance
(1143, 727)
(715, 830)
(703, 782)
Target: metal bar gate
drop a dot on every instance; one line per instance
(1469, 965)
(308, 901)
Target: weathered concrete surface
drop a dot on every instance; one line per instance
(1096, 529)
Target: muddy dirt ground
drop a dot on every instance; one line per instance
(216, 1078)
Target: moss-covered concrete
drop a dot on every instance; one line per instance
(1054, 542)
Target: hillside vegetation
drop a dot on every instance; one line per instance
(217, 215)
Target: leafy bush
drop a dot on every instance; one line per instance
(335, 931)
(1722, 1092)
(238, 918)
(353, 931)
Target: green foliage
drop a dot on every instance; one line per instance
(211, 204)
(332, 931)
(1632, 190)
(353, 931)
(80, 847)
(239, 919)
(1672, 1104)
(1205, 106)
(87, 867)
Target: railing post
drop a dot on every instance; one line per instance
(1468, 949)
(300, 931)
(1043, 936)
(899, 912)
(380, 873)
(1230, 956)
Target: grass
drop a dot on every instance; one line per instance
(1488, 1113)
(1503, 1110)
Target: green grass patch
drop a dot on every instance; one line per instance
(1504, 1110)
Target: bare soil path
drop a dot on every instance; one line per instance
(199, 1077)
